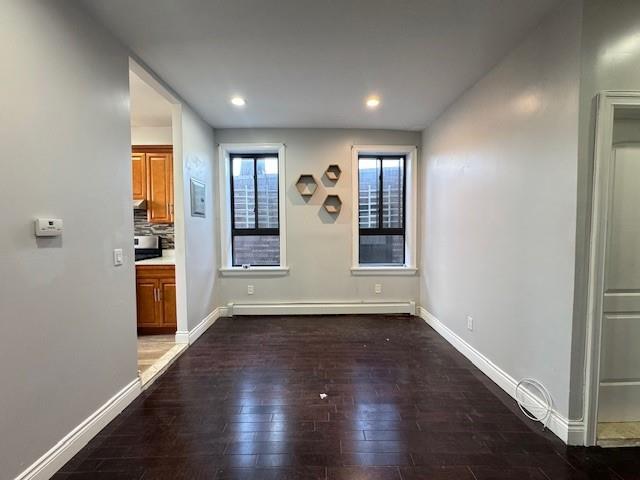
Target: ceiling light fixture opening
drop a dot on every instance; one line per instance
(238, 101)
(373, 102)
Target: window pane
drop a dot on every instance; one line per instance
(259, 250)
(368, 178)
(267, 192)
(243, 193)
(382, 249)
(392, 192)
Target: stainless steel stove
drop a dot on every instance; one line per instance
(147, 246)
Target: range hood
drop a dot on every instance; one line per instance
(139, 204)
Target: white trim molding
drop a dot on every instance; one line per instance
(324, 308)
(411, 213)
(383, 271)
(224, 175)
(193, 334)
(569, 431)
(49, 463)
(254, 272)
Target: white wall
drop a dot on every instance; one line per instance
(499, 207)
(610, 59)
(68, 340)
(318, 247)
(200, 239)
(151, 136)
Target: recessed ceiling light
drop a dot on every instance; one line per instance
(238, 101)
(373, 102)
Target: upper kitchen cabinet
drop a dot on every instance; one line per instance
(157, 171)
(160, 200)
(139, 168)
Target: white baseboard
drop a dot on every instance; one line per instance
(320, 308)
(74, 441)
(191, 336)
(182, 337)
(569, 431)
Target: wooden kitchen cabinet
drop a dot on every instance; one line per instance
(160, 183)
(168, 294)
(156, 299)
(147, 303)
(139, 170)
(154, 165)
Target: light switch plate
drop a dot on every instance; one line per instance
(118, 257)
(377, 288)
(250, 289)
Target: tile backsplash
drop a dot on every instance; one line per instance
(164, 230)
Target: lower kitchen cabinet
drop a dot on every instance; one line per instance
(156, 298)
(168, 295)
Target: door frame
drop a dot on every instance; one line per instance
(182, 331)
(607, 102)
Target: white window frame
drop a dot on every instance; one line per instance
(410, 152)
(224, 176)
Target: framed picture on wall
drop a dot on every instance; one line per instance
(198, 198)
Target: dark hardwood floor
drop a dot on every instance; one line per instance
(244, 403)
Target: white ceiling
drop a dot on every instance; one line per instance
(311, 63)
(148, 107)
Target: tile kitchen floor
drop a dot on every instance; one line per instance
(151, 348)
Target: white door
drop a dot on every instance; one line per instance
(619, 399)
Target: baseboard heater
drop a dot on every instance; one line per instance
(322, 308)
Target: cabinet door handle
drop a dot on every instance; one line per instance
(155, 294)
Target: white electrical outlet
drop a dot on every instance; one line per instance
(377, 288)
(118, 257)
(250, 289)
(470, 323)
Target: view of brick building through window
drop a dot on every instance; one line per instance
(381, 210)
(256, 239)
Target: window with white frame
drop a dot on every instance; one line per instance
(252, 208)
(384, 229)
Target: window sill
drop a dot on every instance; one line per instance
(362, 271)
(254, 271)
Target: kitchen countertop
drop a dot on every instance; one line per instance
(168, 258)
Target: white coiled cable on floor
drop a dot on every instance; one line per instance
(534, 400)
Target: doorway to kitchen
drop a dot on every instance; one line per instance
(155, 217)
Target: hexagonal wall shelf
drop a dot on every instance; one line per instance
(333, 172)
(306, 185)
(332, 204)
